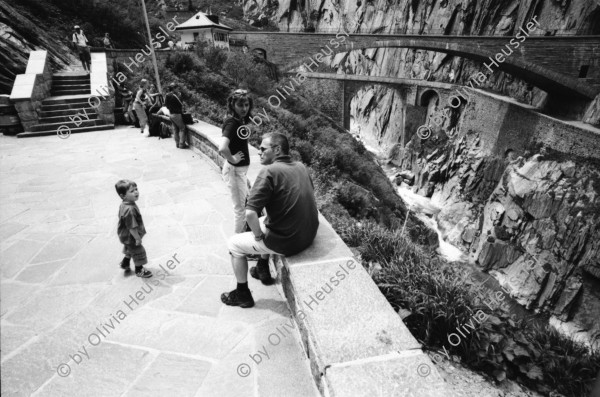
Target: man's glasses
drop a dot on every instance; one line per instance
(262, 149)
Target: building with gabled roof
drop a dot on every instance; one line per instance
(204, 27)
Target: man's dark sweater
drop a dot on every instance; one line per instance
(173, 104)
(286, 191)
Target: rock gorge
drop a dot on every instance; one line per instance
(528, 215)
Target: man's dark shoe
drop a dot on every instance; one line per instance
(261, 272)
(237, 298)
(124, 266)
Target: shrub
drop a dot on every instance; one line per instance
(244, 69)
(214, 58)
(180, 62)
(440, 301)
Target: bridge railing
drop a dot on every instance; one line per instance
(385, 30)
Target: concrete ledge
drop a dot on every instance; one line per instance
(31, 88)
(356, 342)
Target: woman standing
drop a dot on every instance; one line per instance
(139, 105)
(235, 140)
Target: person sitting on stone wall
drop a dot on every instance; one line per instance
(284, 188)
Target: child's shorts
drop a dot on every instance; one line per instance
(137, 253)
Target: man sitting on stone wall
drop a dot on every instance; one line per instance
(284, 188)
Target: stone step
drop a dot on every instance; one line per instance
(62, 100)
(65, 118)
(70, 86)
(71, 77)
(69, 111)
(73, 131)
(72, 91)
(70, 124)
(66, 106)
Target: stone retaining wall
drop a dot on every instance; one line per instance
(356, 343)
(31, 88)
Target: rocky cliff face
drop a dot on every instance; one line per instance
(21, 34)
(534, 221)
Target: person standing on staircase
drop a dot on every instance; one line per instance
(81, 42)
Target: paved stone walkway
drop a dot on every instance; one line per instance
(65, 304)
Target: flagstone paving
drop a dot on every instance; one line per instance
(67, 307)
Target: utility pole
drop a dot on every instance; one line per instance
(151, 47)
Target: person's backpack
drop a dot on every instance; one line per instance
(165, 131)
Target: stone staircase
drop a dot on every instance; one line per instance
(70, 98)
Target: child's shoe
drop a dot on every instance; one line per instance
(125, 263)
(143, 273)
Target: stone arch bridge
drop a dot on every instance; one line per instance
(566, 66)
(501, 125)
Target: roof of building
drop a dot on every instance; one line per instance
(201, 21)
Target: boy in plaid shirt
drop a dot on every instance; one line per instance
(131, 228)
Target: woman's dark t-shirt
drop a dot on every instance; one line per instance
(236, 144)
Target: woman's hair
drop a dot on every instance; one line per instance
(143, 82)
(123, 186)
(237, 95)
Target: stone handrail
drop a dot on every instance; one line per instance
(357, 344)
(31, 88)
(101, 87)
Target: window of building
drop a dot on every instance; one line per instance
(583, 71)
(196, 36)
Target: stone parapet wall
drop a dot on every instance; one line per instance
(127, 56)
(31, 88)
(505, 125)
(357, 344)
(101, 86)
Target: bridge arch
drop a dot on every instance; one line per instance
(426, 97)
(260, 52)
(541, 77)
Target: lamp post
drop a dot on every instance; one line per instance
(151, 47)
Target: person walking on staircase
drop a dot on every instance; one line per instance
(81, 42)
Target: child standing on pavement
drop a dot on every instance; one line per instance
(131, 228)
